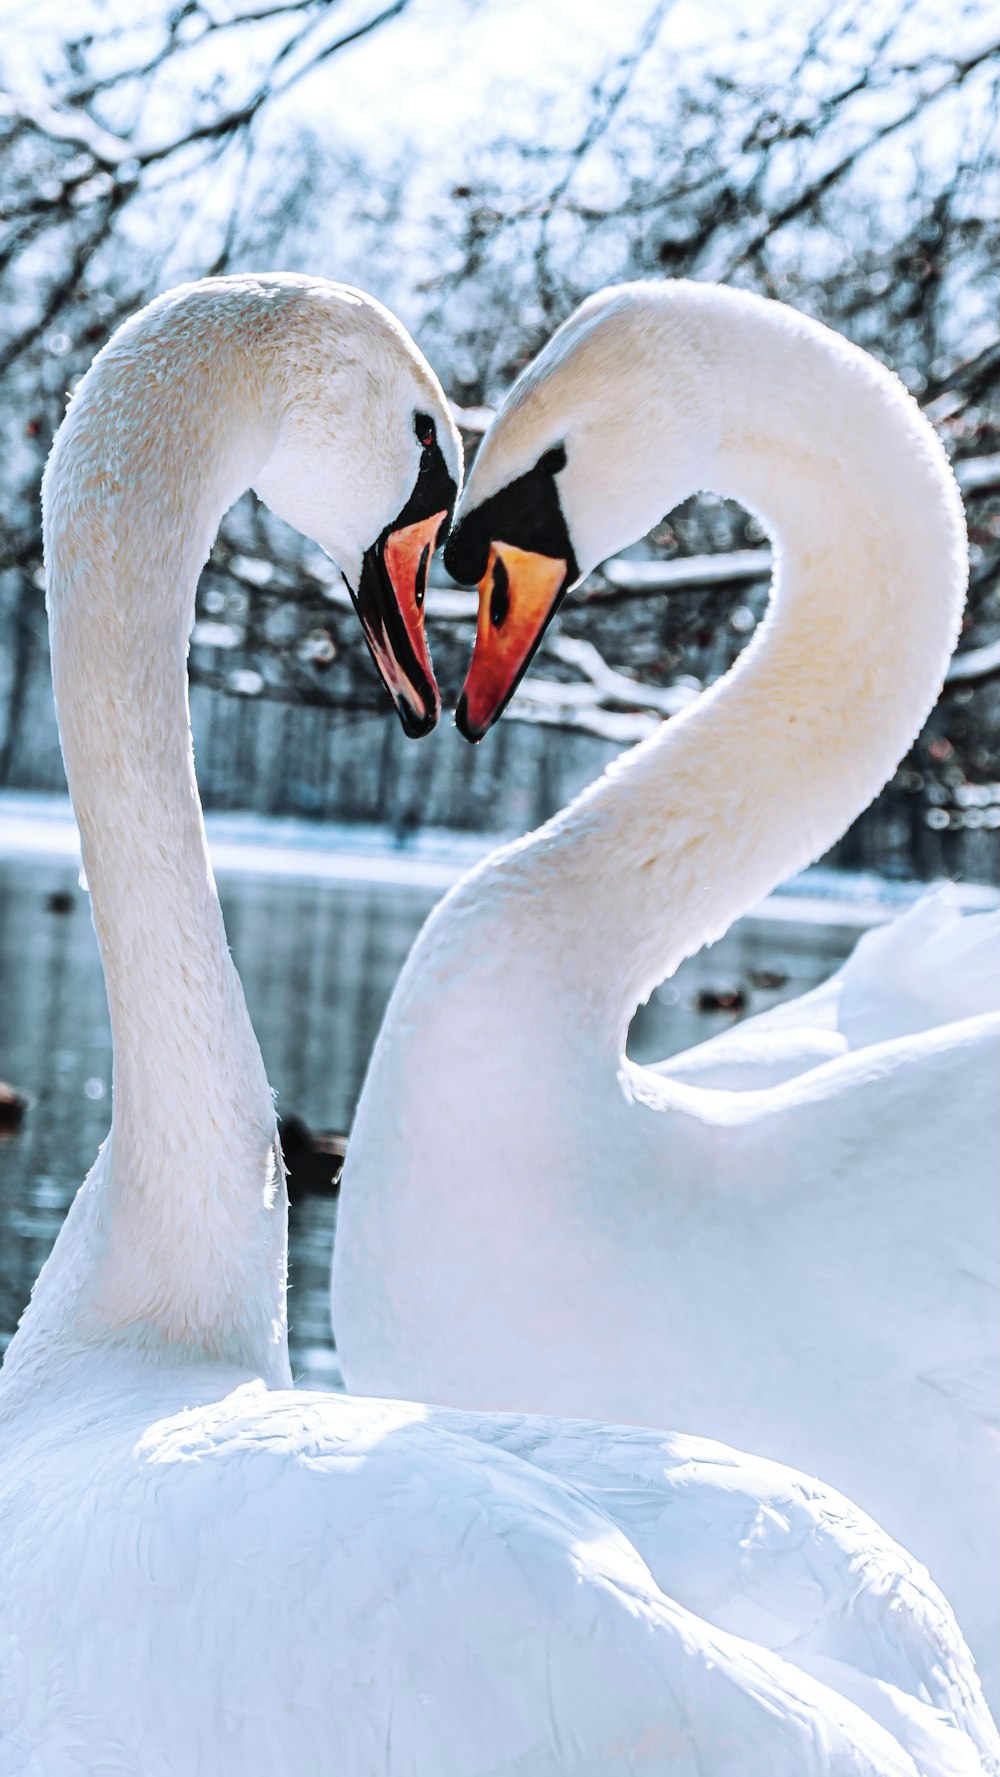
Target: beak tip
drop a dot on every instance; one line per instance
(417, 723)
(464, 726)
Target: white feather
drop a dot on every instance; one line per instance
(789, 1238)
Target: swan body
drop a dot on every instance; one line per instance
(265, 1581)
(202, 1570)
(793, 1249)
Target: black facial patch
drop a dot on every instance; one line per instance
(526, 513)
(434, 490)
(375, 598)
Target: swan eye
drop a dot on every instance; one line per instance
(500, 595)
(425, 430)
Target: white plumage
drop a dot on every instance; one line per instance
(201, 1574)
(202, 1570)
(804, 1263)
(927, 967)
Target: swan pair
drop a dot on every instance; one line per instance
(202, 1569)
(787, 1239)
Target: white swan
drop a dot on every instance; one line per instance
(526, 1217)
(200, 1569)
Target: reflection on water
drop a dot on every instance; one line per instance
(318, 960)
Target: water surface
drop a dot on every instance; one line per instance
(318, 957)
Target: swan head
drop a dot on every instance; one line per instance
(366, 460)
(565, 476)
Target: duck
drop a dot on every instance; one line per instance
(203, 1568)
(313, 1159)
(251, 1578)
(806, 1267)
(13, 1105)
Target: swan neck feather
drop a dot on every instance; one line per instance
(758, 778)
(176, 1243)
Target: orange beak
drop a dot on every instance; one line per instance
(390, 604)
(517, 595)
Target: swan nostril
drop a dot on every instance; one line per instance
(500, 595)
(420, 590)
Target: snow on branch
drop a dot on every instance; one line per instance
(72, 127)
(974, 664)
(978, 475)
(604, 702)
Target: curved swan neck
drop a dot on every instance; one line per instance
(177, 1242)
(760, 776)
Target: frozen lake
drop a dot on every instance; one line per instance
(320, 921)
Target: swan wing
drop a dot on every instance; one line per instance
(932, 965)
(305, 1584)
(842, 1274)
(773, 1556)
(754, 1056)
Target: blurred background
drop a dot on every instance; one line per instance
(480, 166)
